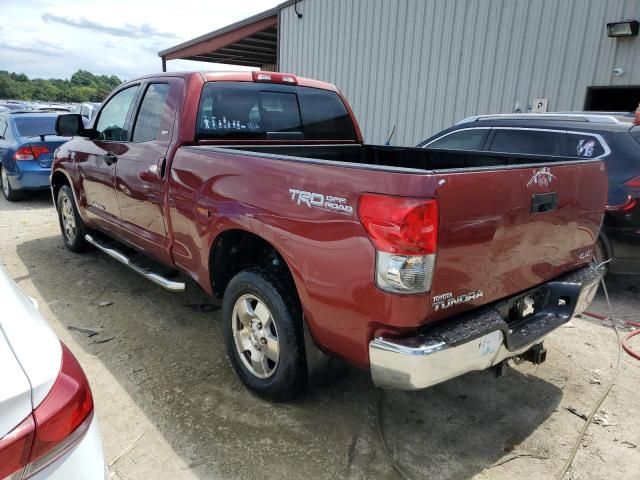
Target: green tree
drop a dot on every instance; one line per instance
(83, 86)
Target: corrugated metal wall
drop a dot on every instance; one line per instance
(425, 64)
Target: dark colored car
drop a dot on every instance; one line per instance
(27, 143)
(611, 136)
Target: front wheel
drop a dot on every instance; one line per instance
(73, 229)
(263, 334)
(9, 193)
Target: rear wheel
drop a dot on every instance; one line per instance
(263, 334)
(9, 193)
(71, 225)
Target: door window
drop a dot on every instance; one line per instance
(472, 139)
(154, 105)
(113, 117)
(3, 127)
(534, 142)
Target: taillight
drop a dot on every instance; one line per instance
(404, 232)
(57, 425)
(30, 152)
(400, 224)
(14, 449)
(634, 183)
(636, 120)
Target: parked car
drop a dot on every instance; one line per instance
(27, 143)
(415, 264)
(580, 135)
(15, 106)
(87, 110)
(47, 424)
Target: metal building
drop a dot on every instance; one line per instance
(421, 65)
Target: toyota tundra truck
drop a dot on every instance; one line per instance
(418, 265)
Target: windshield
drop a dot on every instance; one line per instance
(31, 126)
(254, 111)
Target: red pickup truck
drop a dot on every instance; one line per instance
(417, 264)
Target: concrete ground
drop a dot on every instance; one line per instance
(170, 406)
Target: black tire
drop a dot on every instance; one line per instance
(289, 375)
(73, 236)
(8, 192)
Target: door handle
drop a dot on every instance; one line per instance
(544, 202)
(109, 158)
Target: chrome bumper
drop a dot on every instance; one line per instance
(480, 339)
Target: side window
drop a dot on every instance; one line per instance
(3, 128)
(111, 123)
(472, 139)
(324, 116)
(583, 146)
(534, 142)
(149, 118)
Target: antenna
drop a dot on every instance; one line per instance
(388, 142)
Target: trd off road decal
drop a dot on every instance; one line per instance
(447, 300)
(329, 203)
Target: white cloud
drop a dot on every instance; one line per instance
(119, 38)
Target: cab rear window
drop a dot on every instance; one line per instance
(250, 111)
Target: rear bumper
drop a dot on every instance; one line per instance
(480, 339)
(31, 176)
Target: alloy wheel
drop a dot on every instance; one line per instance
(256, 336)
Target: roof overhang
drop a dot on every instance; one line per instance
(252, 42)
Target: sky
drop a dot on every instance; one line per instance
(53, 39)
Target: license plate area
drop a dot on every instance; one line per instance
(522, 307)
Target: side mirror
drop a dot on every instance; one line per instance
(71, 125)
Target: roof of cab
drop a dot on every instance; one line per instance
(238, 76)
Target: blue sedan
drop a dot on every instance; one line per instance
(27, 143)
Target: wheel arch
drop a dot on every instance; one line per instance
(236, 249)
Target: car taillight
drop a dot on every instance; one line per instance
(404, 232)
(30, 152)
(634, 183)
(14, 449)
(56, 425)
(636, 120)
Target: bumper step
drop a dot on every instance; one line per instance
(146, 272)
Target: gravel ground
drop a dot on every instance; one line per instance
(170, 407)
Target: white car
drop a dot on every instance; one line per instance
(47, 426)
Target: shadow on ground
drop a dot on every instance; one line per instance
(167, 351)
(31, 201)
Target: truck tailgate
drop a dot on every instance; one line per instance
(505, 231)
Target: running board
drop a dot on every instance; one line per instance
(122, 258)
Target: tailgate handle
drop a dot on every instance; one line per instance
(544, 202)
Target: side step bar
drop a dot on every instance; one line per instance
(122, 258)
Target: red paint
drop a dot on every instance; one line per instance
(486, 236)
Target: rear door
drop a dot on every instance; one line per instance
(504, 230)
(96, 159)
(140, 171)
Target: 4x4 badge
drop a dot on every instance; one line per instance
(542, 177)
